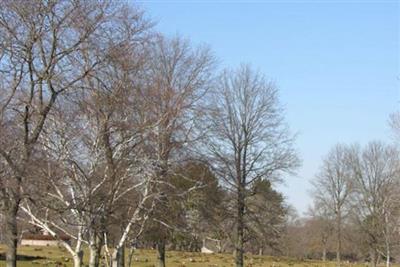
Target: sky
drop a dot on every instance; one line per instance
(336, 64)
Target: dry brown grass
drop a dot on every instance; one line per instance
(51, 256)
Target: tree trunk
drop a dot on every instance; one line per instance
(388, 258)
(131, 251)
(387, 239)
(240, 228)
(11, 232)
(118, 257)
(324, 253)
(339, 236)
(78, 259)
(374, 257)
(95, 250)
(161, 253)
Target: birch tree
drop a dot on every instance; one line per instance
(89, 133)
(41, 47)
(84, 199)
(98, 154)
(248, 138)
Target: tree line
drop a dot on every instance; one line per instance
(116, 135)
(356, 208)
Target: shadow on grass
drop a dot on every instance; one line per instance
(23, 257)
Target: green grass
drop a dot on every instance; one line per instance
(147, 258)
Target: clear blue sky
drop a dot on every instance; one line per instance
(336, 64)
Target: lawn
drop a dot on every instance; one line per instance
(51, 256)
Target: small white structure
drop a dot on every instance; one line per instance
(43, 239)
(206, 250)
(211, 245)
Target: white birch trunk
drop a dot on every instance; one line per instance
(77, 259)
(76, 253)
(388, 258)
(118, 257)
(95, 244)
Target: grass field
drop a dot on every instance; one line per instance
(53, 256)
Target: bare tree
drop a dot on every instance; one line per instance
(248, 138)
(47, 50)
(391, 215)
(293, 242)
(41, 45)
(375, 170)
(103, 173)
(332, 188)
(322, 223)
(179, 77)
